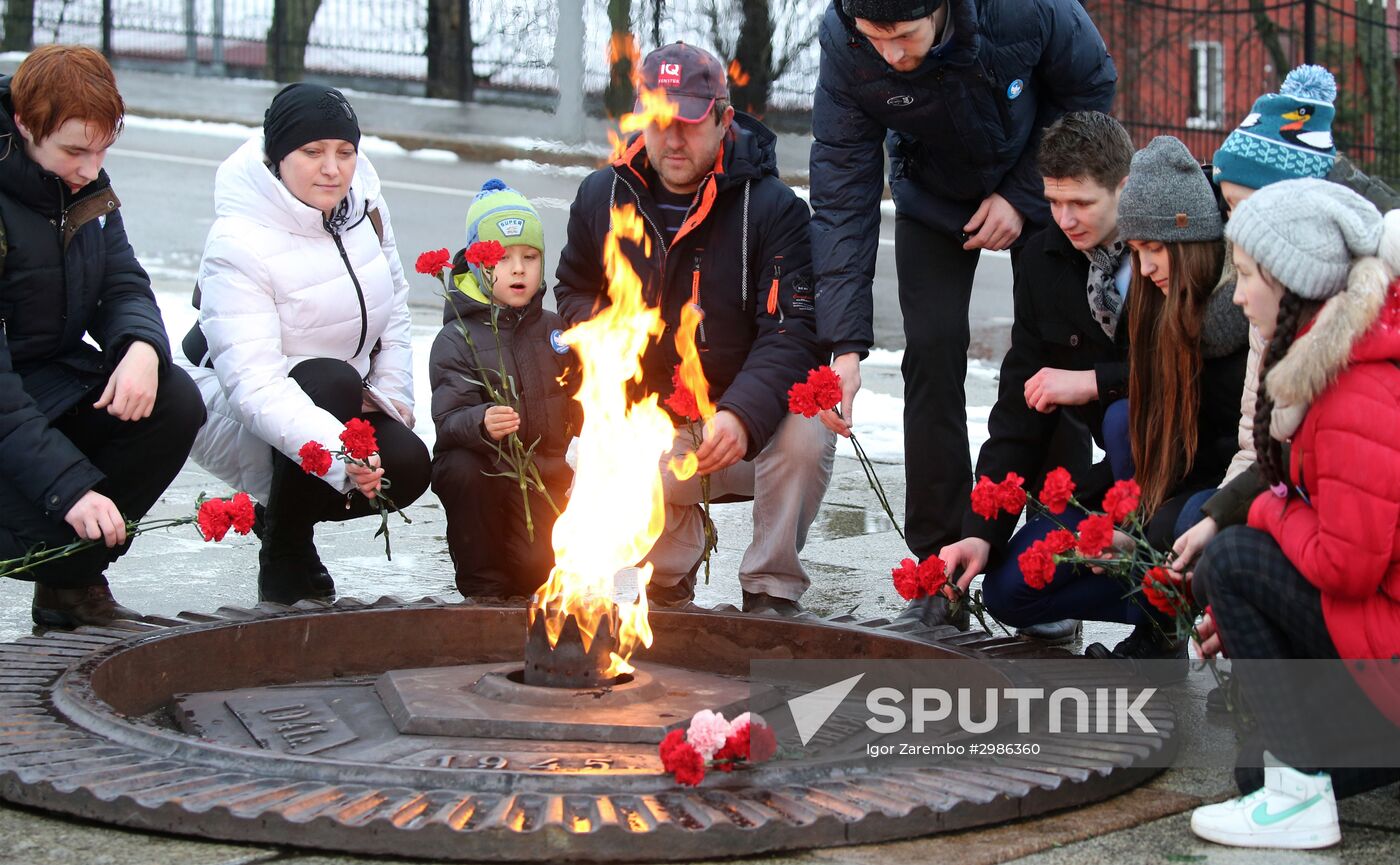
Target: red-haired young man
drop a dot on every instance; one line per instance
(91, 435)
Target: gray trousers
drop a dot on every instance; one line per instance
(786, 481)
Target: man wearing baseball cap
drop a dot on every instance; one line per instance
(727, 236)
(958, 91)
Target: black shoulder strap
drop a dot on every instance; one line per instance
(374, 219)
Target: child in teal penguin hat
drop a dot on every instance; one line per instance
(1286, 135)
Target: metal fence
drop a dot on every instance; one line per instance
(1189, 68)
(1193, 68)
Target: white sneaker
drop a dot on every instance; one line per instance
(1292, 811)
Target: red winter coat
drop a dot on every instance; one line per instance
(1345, 535)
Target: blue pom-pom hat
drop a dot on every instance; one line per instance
(1287, 135)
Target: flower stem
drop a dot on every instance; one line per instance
(874, 480)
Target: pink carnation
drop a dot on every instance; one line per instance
(708, 732)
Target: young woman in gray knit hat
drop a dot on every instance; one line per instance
(1175, 434)
(1316, 574)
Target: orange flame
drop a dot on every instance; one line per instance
(737, 74)
(692, 373)
(617, 509)
(656, 105)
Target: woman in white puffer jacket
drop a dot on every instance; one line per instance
(303, 324)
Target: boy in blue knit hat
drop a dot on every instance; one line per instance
(494, 553)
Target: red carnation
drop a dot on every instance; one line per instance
(315, 459)
(1120, 501)
(358, 438)
(240, 512)
(986, 498)
(1060, 541)
(1011, 496)
(763, 745)
(906, 579)
(1154, 585)
(433, 261)
(826, 387)
(682, 401)
(1056, 493)
(485, 253)
(214, 520)
(1095, 535)
(932, 575)
(681, 759)
(1037, 565)
(734, 750)
(801, 400)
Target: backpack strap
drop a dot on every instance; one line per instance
(376, 220)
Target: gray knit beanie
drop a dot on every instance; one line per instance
(1167, 198)
(1306, 233)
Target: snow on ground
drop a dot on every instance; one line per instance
(879, 419)
(371, 144)
(529, 166)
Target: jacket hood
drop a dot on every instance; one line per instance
(23, 178)
(961, 50)
(245, 187)
(1359, 325)
(750, 151)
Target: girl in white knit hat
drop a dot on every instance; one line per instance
(1316, 574)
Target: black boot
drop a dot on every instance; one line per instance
(934, 610)
(289, 570)
(682, 594)
(70, 608)
(1166, 657)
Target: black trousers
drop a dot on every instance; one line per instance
(935, 289)
(139, 458)
(493, 554)
(298, 500)
(1312, 714)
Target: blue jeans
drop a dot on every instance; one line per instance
(1074, 592)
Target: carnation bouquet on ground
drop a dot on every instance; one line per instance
(912, 579)
(357, 444)
(712, 742)
(500, 387)
(214, 517)
(1112, 541)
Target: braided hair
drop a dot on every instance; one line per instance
(1292, 313)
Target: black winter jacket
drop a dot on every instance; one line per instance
(544, 376)
(964, 124)
(69, 271)
(1054, 328)
(745, 241)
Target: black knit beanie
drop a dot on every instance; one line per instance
(307, 112)
(890, 11)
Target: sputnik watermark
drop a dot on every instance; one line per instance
(1113, 709)
(977, 711)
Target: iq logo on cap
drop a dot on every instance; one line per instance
(669, 75)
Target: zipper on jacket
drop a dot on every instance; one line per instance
(660, 238)
(774, 308)
(359, 292)
(695, 297)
